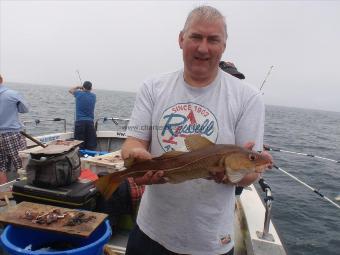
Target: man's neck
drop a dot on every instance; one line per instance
(198, 82)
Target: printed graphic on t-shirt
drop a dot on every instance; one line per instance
(185, 119)
(225, 239)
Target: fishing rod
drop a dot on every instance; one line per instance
(81, 82)
(265, 79)
(268, 148)
(309, 187)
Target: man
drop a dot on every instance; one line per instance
(11, 141)
(193, 217)
(84, 126)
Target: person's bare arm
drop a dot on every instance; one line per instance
(138, 148)
(74, 89)
(3, 177)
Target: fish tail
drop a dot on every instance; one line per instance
(107, 184)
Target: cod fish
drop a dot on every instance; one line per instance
(202, 157)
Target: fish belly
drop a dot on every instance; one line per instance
(182, 176)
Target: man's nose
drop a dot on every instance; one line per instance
(203, 46)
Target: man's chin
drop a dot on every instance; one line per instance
(199, 66)
(201, 72)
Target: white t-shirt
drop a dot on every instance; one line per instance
(193, 217)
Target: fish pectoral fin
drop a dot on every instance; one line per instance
(170, 154)
(235, 176)
(196, 142)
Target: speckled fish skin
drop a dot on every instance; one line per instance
(178, 167)
(197, 164)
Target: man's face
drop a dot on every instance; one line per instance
(203, 44)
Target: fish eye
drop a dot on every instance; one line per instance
(252, 157)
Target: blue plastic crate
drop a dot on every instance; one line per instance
(92, 153)
(15, 239)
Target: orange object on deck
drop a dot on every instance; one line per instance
(87, 174)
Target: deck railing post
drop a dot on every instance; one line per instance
(268, 205)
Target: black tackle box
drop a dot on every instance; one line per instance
(81, 194)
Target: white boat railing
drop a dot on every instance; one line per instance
(37, 122)
(116, 120)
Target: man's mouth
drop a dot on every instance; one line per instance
(201, 58)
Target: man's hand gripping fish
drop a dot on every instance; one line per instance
(202, 158)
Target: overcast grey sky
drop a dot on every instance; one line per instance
(118, 44)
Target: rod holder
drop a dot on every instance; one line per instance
(268, 199)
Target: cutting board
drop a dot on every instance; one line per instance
(15, 215)
(57, 147)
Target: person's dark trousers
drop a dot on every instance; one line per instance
(117, 205)
(238, 190)
(140, 244)
(84, 131)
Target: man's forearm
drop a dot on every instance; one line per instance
(74, 89)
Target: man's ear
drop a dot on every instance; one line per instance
(225, 46)
(180, 39)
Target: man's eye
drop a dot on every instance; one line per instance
(195, 37)
(214, 40)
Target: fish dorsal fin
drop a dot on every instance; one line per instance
(196, 142)
(170, 154)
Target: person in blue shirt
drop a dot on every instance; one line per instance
(11, 141)
(84, 127)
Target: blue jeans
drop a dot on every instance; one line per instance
(140, 244)
(84, 131)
